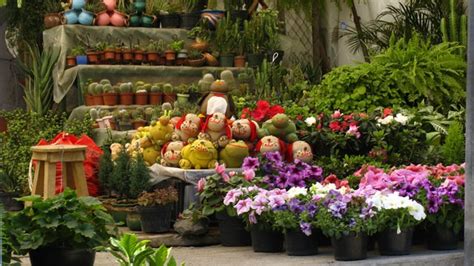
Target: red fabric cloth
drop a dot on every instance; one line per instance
(91, 162)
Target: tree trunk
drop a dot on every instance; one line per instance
(320, 56)
(358, 26)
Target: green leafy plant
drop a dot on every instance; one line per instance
(39, 84)
(139, 176)
(9, 182)
(106, 168)
(128, 251)
(120, 176)
(226, 36)
(176, 45)
(453, 149)
(64, 221)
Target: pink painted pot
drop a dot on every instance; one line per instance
(118, 19)
(102, 19)
(110, 4)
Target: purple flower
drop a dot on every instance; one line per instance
(311, 208)
(367, 212)
(250, 163)
(337, 209)
(276, 201)
(243, 206)
(252, 218)
(305, 228)
(274, 157)
(296, 206)
(352, 222)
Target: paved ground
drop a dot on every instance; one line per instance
(244, 256)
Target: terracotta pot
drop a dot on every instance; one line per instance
(169, 97)
(110, 4)
(110, 99)
(109, 55)
(138, 56)
(239, 61)
(170, 55)
(92, 58)
(152, 57)
(180, 61)
(126, 98)
(211, 60)
(70, 61)
(98, 100)
(200, 46)
(89, 100)
(52, 20)
(139, 123)
(119, 19)
(155, 98)
(102, 18)
(101, 57)
(197, 62)
(118, 56)
(141, 98)
(162, 60)
(127, 55)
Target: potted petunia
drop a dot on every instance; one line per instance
(63, 230)
(257, 207)
(155, 209)
(396, 218)
(348, 220)
(294, 219)
(212, 192)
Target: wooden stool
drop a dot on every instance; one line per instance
(71, 157)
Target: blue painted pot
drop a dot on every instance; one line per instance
(86, 17)
(81, 59)
(71, 17)
(78, 4)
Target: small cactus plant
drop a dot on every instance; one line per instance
(94, 113)
(91, 88)
(168, 88)
(125, 88)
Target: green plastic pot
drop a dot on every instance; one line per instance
(134, 20)
(255, 60)
(148, 21)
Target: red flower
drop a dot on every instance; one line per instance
(344, 126)
(387, 111)
(263, 106)
(348, 117)
(245, 113)
(299, 117)
(258, 115)
(330, 179)
(335, 126)
(276, 109)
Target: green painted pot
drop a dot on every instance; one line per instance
(148, 21)
(134, 21)
(119, 212)
(139, 5)
(133, 221)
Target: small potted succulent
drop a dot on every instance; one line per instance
(95, 89)
(156, 94)
(126, 93)
(141, 93)
(110, 95)
(155, 209)
(173, 48)
(154, 50)
(169, 94)
(118, 54)
(99, 49)
(181, 57)
(196, 59)
(109, 54)
(80, 53)
(88, 98)
(52, 17)
(76, 225)
(138, 54)
(138, 118)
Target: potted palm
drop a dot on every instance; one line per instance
(52, 17)
(169, 95)
(225, 41)
(74, 227)
(156, 93)
(396, 218)
(155, 209)
(196, 59)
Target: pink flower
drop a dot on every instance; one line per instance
(252, 218)
(354, 131)
(259, 204)
(337, 114)
(243, 206)
(276, 201)
(249, 174)
(378, 181)
(232, 196)
(201, 184)
(220, 170)
(232, 173)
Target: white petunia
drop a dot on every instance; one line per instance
(402, 119)
(296, 191)
(385, 121)
(310, 121)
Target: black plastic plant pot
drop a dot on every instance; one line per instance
(299, 244)
(392, 244)
(155, 219)
(61, 257)
(226, 60)
(232, 231)
(419, 234)
(350, 247)
(266, 240)
(323, 241)
(190, 20)
(9, 202)
(133, 221)
(255, 60)
(170, 21)
(441, 238)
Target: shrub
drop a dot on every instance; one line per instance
(453, 148)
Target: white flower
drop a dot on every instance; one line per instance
(322, 190)
(395, 201)
(310, 121)
(385, 121)
(296, 191)
(402, 119)
(417, 211)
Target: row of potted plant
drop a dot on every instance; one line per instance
(276, 201)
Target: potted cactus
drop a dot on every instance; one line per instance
(126, 94)
(110, 95)
(138, 118)
(227, 34)
(87, 96)
(95, 90)
(169, 94)
(138, 54)
(196, 59)
(156, 93)
(141, 94)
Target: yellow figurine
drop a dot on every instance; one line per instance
(201, 154)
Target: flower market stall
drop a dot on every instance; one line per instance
(201, 131)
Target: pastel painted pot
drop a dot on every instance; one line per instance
(118, 19)
(148, 21)
(78, 4)
(102, 19)
(110, 4)
(86, 17)
(81, 59)
(71, 17)
(134, 21)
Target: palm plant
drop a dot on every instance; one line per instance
(38, 68)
